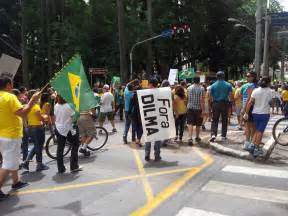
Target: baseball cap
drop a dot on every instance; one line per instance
(106, 86)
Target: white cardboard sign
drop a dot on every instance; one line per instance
(172, 76)
(9, 65)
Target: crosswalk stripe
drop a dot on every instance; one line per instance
(256, 171)
(248, 192)
(196, 212)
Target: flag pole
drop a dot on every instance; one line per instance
(42, 90)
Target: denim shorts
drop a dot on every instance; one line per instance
(261, 121)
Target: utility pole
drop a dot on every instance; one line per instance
(258, 39)
(266, 55)
(25, 63)
(122, 42)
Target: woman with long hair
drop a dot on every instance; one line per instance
(180, 110)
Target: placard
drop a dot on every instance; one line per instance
(172, 76)
(9, 65)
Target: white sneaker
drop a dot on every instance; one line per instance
(246, 145)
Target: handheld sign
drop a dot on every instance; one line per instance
(156, 114)
(172, 76)
(9, 65)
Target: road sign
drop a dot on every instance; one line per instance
(98, 71)
(279, 19)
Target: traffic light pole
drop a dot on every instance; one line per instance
(132, 49)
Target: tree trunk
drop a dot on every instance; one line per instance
(25, 58)
(122, 42)
(149, 66)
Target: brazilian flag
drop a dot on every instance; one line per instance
(72, 84)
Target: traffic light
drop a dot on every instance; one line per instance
(180, 30)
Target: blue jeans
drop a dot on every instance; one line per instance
(127, 126)
(157, 145)
(25, 143)
(38, 136)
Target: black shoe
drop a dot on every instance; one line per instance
(176, 138)
(147, 158)
(125, 140)
(157, 158)
(77, 169)
(61, 171)
(3, 196)
(24, 165)
(203, 127)
(114, 130)
(190, 142)
(212, 139)
(197, 139)
(85, 152)
(41, 167)
(19, 185)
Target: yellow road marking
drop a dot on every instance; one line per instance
(147, 186)
(174, 187)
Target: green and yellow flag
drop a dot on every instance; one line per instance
(72, 84)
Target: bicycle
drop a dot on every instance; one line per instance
(99, 141)
(280, 131)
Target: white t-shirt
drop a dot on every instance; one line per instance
(63, 118)
(262, 97)
(107, 100)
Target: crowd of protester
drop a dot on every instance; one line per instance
(27, 115)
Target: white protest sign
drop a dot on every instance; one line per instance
(9, 65)
(156, 114)
(172, 76)
(202, 79)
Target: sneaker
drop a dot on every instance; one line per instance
(203, 127)
(147, 158)
(3, 196)
(198, 139)
(41, 167)
(157, 158)
(61, 171)
(240, 128)
(19, 185)
(80, 168)
(85, 152)
(24, 165)
(125, 140)
(114, 130)
(190, 142)
(258, 152)
(100, 132)
(246, 145)
(250, 148)
(176, 138)
(212, 139)
(223, 139)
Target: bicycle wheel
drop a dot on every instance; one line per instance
(51, 148)
(100, 139)
(280, 131)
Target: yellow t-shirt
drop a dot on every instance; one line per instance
(32, 117)
(238, 97)
(45, 110)
(11, 125)
(284, 95)
(180, 105)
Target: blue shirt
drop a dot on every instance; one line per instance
(127, 95)
(220, 91)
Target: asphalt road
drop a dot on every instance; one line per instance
(188, 181)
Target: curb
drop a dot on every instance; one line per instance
(267, 148)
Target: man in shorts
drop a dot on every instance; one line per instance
(11, 132)
(107, 107)
(87, 130)
(195, 106)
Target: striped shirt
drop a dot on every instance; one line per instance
(195, 93)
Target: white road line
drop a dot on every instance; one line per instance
(248, 192)
(256, 171)
(196, 212)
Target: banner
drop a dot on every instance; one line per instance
(172, 76)
(9, 65)
(156, 111)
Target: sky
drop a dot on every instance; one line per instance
(285, 4)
